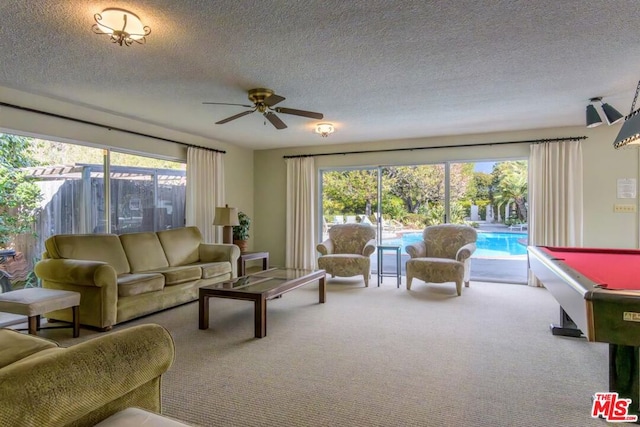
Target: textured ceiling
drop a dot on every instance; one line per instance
(377, 69)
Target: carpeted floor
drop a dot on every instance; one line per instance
(381, 357)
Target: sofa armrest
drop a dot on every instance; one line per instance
(217, 252)
(465, 252)
(86, 382)
(369, 248)
(325, 248)
(77, 272)
(417, 250)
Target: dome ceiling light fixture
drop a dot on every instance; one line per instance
(324, 129)
(122, 26)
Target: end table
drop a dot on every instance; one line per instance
(248, 256)
(381, 272)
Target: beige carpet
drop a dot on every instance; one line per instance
(381, 357)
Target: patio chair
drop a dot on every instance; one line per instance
(443, 255)
(518, 227)
(347, 251)
(351, 219)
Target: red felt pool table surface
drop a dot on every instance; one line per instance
(615, 269)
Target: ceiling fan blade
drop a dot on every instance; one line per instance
(275, 120)
(225, 103)
(237, 116)
(272, 100)
(302, 113)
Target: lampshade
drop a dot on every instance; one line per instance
(226, 216)
(593, 118)
(630, 132)
(613, 116)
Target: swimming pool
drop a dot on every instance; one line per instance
(489, 244)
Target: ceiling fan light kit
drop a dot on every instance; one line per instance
(264, 101)
(122, 27)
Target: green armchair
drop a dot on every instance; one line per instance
(347, 251)
(43, 384)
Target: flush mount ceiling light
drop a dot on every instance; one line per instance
(630, 132)
(122, 26)
(324, 129)
(612, 115)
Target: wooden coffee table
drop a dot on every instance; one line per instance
(259, 288)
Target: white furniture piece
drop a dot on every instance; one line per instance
(136, 417)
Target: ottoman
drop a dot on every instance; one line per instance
(136, 417)
(34, 302)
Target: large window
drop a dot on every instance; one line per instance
(402, 200)
(62, 188)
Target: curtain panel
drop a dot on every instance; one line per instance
(555, 196)
(205, 191)
(300, 227)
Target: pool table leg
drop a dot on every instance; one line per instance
(623, 374)
(567, 327)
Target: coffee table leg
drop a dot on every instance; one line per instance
(260, 317)
(322, 289)
(203, 312)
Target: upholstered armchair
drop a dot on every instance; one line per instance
(443, 255)
(347, 251)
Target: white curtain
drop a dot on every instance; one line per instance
(205, 191)
(555, 195)
(301, 230)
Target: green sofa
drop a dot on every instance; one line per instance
(132, 275)
(42, 384)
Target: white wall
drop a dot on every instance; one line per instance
(238, 161)
(603, 165)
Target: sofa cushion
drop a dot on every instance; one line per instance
(214, 269)
(139, 283)
(181, 245)
(144, 251)
(178, 275)
(91, 247)
(15, 346)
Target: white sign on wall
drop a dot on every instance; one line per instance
(626, 188)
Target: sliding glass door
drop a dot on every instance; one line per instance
(402, 200)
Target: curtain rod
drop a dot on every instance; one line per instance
(531, 141)
(86, 122)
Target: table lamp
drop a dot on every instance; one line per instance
(226, 217)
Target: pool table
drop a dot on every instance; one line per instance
(599, 295)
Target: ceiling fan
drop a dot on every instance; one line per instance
(263, 102)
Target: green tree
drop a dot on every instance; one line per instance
(510, 185)
(353, 191)
(19, 195)
(417, 186)
(62, 153)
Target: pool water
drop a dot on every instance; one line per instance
(489, 244)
